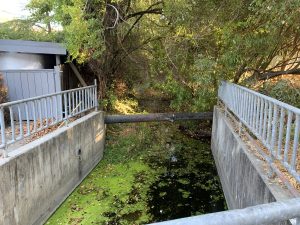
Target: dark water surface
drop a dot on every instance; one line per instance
(189, 186)
(150, 172)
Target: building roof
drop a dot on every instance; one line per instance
(32, 47)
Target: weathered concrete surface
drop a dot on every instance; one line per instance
(242, 176)
(37, 177)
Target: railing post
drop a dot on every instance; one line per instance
(95, 95)
(2, 124)
(273, 140)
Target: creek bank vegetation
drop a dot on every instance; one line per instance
(177, 49)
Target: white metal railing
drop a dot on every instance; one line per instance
(274, 123)
(270, 213)
(22, 118)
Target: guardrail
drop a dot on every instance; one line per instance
(271, 213)
(22, 118)
(274, 123)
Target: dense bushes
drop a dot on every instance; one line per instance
(284, 90)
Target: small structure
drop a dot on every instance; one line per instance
(30, 68)
(19, 54)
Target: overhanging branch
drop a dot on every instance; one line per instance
(273, 74)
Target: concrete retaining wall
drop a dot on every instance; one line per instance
(37, 177)
(242, 175)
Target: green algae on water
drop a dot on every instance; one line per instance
(150, 172)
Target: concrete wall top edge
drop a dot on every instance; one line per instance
(278, 191)
(28, 147)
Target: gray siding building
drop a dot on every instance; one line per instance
(31, 68)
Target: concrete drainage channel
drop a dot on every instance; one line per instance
(40, 175)
(68, 155)
(249, 194)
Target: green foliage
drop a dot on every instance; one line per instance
(282, 90)
(213, 40)
(41, 12)
(83, 31)
(25, 30)
(184, 50)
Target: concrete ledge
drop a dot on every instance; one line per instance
(37, 177)
(243, 179)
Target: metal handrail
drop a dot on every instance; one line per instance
(271, 213)
(42, 96)
(41, 112)
(275, 123)
(27, 70)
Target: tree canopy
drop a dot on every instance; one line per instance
(180, 47)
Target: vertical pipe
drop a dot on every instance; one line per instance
(261, 116)
(251, 111)
(40, 113)
(56, 97)
(69, 104)
(59, 102)
(244, 105)
(255, 119)
(296, 142)
(280, 136)
(46, 111)
(235, 100)
(85, 99)
(76, 101)
(258, 114)
(27, 118)
(269, 124)
(34, 116)
(80, 100)
(73, 103)
(96, 100)
(20, 122)
(88, 98)
(95, 95)
(267, 105)
(241, 104)
(254, 113)
(12, 123)
(66, 105)
(232, 108)
(274, 129)
(248, 108)
(51, 111)
(238, 102)
(273, 140)
(288, 136)
(2, 124)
